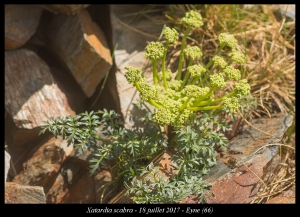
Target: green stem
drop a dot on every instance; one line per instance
(151, 101)
(184, 162)
(203, 103)
(155, 75)
(206, 108)
(181, 58)
(164, 66)
(137, 85)
(194, 80)
(148, 109)
(155, 104)
(217, 111)
(206, 76)
(230, 61)
(186, 76)
(209, 64)
(184, 104)
(211, 61)
(112, 122)
(190, 62)
(99, 138)
(204, 97)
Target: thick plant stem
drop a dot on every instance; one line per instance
(186, 76)
(184, 104)
(182, 165)
(181, 57)
(217, 53)
(137, 85)
(155, 104)
(194, 80)
(164, 66)
(206, 76)
(155, 75)
(203, 103)
(171, 135)
(151, 101)
(206, 108)
(205, 96)
(209, 64)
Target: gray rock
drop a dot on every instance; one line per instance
(236, 177)
(6, 165)
(23, 194)
(289, 10)
(132, 39)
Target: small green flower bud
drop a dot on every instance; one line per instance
(219, 61)
(232, 73)
(171, 93)
(217, 80)
(154, 50)
(163, 116)
(193, 19)
(173, 105)
(175, 84)
(171, 35)
(147, 91)
(242, 88)
(133, 74)
(237, 56)
(168, 74)
(196, 70)
(232, 104)
(192, 52)
(227, 39)
(183, 117)
(194, 91)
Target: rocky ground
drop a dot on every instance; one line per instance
(55, 65)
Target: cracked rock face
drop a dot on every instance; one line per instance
(45, 162)
(238, 174)
(23, 194)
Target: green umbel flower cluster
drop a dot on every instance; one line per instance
(168, 74)
(171, 35)
(227, 39)
(193, 19)
(148, 91)
(242, 88)
(217, 80)
(196, 70)
(219, 61)
(154, 50)
(193, 52)
(195, 91)
(133, 74)
(177, 98)
(232, 73)
(237, 56)
(175, 84)
(169, 115)
(231, 103)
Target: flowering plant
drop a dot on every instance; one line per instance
(193, 89)
(177, 98)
